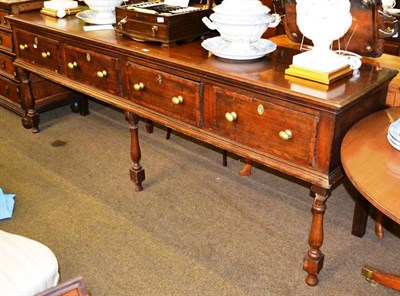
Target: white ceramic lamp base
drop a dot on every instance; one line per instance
(321, 66)
(325, 61)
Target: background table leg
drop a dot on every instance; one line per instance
(360, 216)
(378, 224)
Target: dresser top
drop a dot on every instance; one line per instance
(266, 75)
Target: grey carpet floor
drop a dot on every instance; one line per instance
(198, 228)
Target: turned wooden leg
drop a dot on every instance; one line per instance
(168, 134)
(30, 118)
(136, 170)
(80, 104)
(381, 277)
(360, 216)
(378, 224)
(149, 126)
(246, 170)
(224, 158)
(314, 259)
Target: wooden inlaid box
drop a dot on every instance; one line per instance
(154, 21)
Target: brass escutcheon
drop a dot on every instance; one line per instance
(159, 79)
(260, 109)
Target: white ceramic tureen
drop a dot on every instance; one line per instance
(241, 20)
(241, 23)
(103, 8)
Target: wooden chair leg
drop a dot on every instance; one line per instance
(378, 224)
(381, 277)
(246, 170)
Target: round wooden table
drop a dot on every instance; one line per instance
(373, 167)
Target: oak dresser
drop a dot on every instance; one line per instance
(248, 108)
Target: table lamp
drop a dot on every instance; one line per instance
(322, 21)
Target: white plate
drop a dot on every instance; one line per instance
(243, 51)
(393, 138)
(394, 129)
(391, 142)
(90, 17)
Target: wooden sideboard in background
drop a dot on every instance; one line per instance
(48, 95)
(392, 45)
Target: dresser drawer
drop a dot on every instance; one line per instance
(273, 129)
(6, 65)
(168, 94)
(6, 43)
(38, 50)
(9, 89)
(92, 68)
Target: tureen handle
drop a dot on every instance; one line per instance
(209, 23)
(276, 20)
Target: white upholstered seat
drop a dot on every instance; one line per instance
(27, 267)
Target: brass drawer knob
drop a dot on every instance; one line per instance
(101, 74)
(285, 135)
(23, 46)
(72, 65)
(231, 116)
(138, 86)
(177, 100)
(45, 54)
